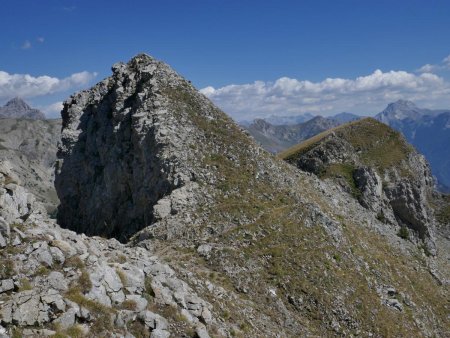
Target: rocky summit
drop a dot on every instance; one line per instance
(174, 222)
(18, 108)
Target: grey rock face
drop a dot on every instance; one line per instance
(120, 152)
(398, 194)
(17, 108)
(38, 293)
(370, 186)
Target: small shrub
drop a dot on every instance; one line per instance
(121, 259)
(59, 335)
(226, 314)
(16, 333)
(74, 262)
(84, 281)
(42, 271)
(25, 285)
(122, 276)
(7, 268)
(337, 257)
(381, 218)
(403, 233)
(128, 304)
(138, 329)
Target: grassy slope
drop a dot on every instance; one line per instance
(263, 242)
(377, 144)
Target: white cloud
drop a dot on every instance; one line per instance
(40, 39)
(53, 110)
(26, 45)
(429, 68)
(364, 94)
(446, 61)
(27, 86)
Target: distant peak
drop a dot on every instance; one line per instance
(18, 103)
(403, 104)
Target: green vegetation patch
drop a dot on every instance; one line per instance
(377, 144)
(345, 171)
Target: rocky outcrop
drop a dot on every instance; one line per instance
(395, 182)
(122, 151)
(55, 281)
(19, 109)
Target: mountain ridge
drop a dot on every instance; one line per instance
(222, 238)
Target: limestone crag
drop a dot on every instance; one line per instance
(127, 149)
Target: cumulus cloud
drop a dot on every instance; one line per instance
(28, 86)
(429, 68)
(53, 110)
(40, 39)
(364, 94)
(446, 61)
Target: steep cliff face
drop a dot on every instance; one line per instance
(121, 151)
(379, 168)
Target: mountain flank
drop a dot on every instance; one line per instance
(379, 168)
(29, 148)
(218, 238)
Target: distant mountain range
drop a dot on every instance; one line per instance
(428, 130)
(276, 138)
(19, 109)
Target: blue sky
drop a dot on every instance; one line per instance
(277, 54)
